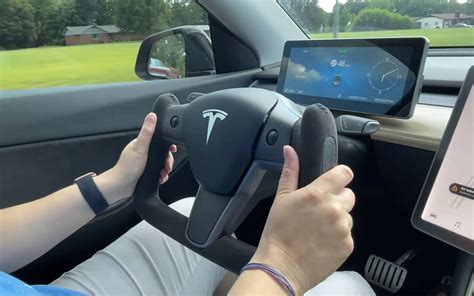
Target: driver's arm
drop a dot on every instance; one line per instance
(29, 230)
(307, 235)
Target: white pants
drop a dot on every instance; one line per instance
(144, 261)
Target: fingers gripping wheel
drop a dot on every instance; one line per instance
(239, 140)
(163, 137)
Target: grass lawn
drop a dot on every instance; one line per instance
(115, 62)
(68, 65)
(437, 37)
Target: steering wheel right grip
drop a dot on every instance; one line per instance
(313, 136)
(315, 141)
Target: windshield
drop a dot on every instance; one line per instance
(446, 23)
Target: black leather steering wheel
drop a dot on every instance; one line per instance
(234, 139)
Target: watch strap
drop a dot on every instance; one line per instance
(91, 193)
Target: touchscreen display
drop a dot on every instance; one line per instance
(371, 76)
(366, 74)
(450, 203)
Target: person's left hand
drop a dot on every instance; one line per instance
(120, 181)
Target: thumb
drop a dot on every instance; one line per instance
(142, 142)
(289, 174)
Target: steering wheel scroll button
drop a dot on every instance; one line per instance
(272, 137)
(174, 121)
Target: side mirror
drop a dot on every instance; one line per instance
(179, 52)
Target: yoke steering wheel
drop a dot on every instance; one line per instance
(234, 141)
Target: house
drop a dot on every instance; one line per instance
(97, 34)
(443, 20)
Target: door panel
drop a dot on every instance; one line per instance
(51, 136)
(45, 114)
(34, 170)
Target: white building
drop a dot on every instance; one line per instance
(443, 20)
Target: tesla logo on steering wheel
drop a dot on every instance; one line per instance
(213, 115)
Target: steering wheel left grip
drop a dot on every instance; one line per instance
(234, 139)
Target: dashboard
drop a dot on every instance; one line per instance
(444, 72)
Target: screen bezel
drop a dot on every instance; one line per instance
(406, 107)
(434, 230)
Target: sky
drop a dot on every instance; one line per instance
(327, 5)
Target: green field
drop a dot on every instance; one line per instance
(68, 65)
(88, 64)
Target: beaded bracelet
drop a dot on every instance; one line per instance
(274, 273)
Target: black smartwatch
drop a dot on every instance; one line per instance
(91, 193)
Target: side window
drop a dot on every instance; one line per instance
(51, 43)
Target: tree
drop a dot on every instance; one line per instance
(469, 7)
(95, 11)
(355, 6)
(380, 19)
(142, 16)
(345, 17)
(43, 11)
(310, 15)
(449, 7)
(315, 16)
(382, 4)
(17, 24)
(298, 6)
(107, 15)
(63, 15)
(420, 8)
(187, 13)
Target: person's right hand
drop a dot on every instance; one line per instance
(307, 235)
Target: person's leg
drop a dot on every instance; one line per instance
(343, 283)
(144, 261)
